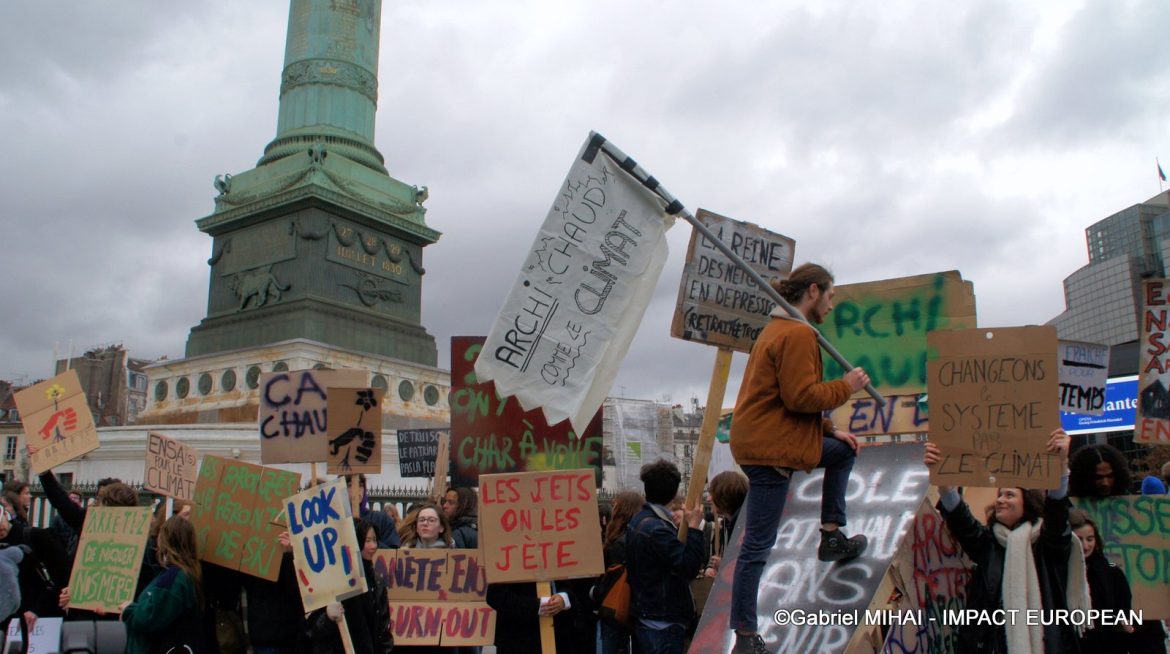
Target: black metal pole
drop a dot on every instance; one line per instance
(674, 207)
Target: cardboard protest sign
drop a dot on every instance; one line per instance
(58, 426)
(43, 638)
(1084, 372)
(326, 554)
(355, 430)
(1153, 413)
(539, 526)
(930, 573)
(885, 491)
(718, 304)
(293, 411)
(583, 287)
(109, 555)
(882, 326)
(490, 434)
(1135, 530)
(437, 596)
(417, 449)
(236, 504)
(448, 624)
(994, 405)
(170, 467)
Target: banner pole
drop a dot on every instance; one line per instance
(548, 640)
(674, 207)
(346, 639)
(442, 465)
(702, 457)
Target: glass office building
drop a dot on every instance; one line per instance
(1103, 299)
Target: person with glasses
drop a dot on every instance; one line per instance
(426, 527)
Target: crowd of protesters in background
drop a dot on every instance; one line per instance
(181, 601)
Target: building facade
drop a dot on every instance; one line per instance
(1103, 298)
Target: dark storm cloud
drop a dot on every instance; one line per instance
(888, 140)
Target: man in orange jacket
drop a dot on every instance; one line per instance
(779, 427)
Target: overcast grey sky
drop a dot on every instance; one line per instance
(888, 139)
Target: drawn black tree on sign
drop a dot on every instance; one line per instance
(355, 437)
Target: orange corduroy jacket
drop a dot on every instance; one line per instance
(778, 417)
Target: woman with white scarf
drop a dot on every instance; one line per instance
(1026, 558)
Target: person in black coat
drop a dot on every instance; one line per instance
(518, 613)
(1024, 560)
(274, 607)
(1108, 588)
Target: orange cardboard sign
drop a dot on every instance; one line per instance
(236, 504)
(540, 526)
(355, 431)
(447, 624)
(718, 304)
(58, 425)
(109, 554)
(170, 467)
(437, 596)
(994, 402)
(1135, 530)
(293, 411)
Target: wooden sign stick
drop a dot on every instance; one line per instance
(346, 639)
(312, 474)
(702, 456)
(355, 495)
(442, 463)
(548, 639)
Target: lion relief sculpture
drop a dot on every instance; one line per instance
(260, 285)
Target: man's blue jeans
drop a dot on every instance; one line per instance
(660, 641)
(767, 492)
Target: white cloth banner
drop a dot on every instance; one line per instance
(584, 286)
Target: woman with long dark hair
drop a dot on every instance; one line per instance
(1108, 587)
(1098, 471)
(615, 637)
(1026, 558)
(460, 506)
(169, 613)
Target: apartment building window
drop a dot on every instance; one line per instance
(10, 449)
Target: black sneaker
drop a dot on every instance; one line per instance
(836, 547)
(752, 644)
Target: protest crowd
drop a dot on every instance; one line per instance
(180, 600)
(172, 576)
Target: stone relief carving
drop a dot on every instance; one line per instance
(332, 72)
(260, 285)
(370, 290)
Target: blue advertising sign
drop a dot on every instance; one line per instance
(1120, 410)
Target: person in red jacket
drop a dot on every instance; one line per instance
(778, 428)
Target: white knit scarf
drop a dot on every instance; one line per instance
(1021, 584)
